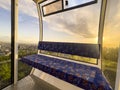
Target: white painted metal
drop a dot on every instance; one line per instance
(40, 30)
(101, 28)
(40, 23)
(117, 85)
(16, 42)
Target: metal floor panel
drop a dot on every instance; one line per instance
(31, 82)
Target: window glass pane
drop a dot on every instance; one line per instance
(74, 3)
(53, 7)
(72, 57)
(111, 41)
(28, 34)
(80, 25)
(5, 43)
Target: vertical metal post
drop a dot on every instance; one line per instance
(101, 28)
(40, 22)
(117, 85)
(14, 44)
(40, 29)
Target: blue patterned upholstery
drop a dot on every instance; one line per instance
(83, 76)
(80, 49)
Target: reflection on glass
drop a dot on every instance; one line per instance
(111, 41)
(73, 3)
(80, 25)
(53, 7)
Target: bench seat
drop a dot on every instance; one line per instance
(83, 76)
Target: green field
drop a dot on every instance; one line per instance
(109, 64)
(5, 67)
(109, 70)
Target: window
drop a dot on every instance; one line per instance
(5, 43)
(52, 7)
(28, 25)
(56, 6)
(80, 25)
(76, 3)
(111, 41)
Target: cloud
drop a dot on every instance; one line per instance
(6, 4)
(27, 7)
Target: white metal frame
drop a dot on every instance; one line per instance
(40, 30)
(117, 84)
(14, 43)
(101, 29)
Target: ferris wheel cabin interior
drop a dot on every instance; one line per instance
(78, 47)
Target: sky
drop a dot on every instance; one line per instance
(28, 25)
(112, 24)
(79, 25)
(74, 2)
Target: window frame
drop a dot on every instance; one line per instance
(50, 4)
(63, 9)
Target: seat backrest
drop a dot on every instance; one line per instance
(80, 49)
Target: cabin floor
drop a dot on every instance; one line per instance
(31, 82)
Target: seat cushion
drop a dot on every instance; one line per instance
(83, 76)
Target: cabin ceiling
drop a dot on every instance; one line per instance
(36, 1)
